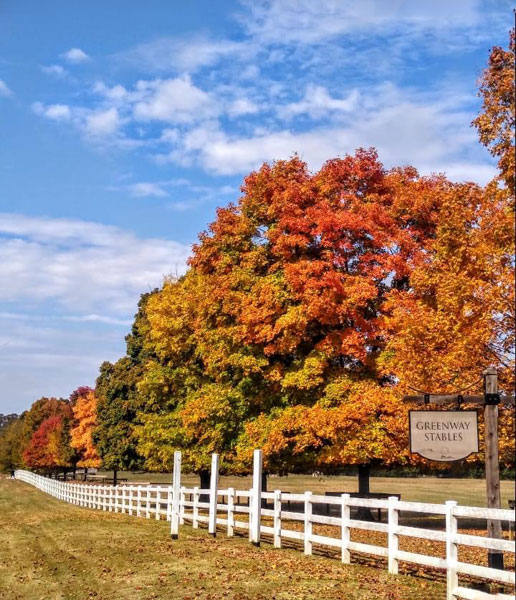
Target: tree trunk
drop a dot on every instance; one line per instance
(74, 472)
(364, 472)
(204, 483)
(85, 474)
(115, 476)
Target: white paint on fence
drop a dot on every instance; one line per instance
(256, 500)
(214, 484)
(183, 504)
(176, 486)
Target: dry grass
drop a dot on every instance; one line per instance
(52, 550)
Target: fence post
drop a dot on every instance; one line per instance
(345, 532)
(231, 511)
(308, 523)
(256, 502)
(139, 501)
(214, 482)
(452, 580)
(195, 508)
(392, 536)
(176, 484)
(277, 518)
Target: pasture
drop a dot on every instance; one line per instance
(53, 550)
(467, 492)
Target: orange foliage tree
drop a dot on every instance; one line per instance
(278, 326)
(49, 446)
(84, 407)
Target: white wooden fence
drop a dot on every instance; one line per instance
(181, 505)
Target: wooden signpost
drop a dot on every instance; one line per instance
(490, 399)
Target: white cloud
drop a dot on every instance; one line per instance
(145, 189)
(84, 266)
(179, 55)
(55, 70)
(61, 356)
(318, 103)
(97, 319)
(305, 21)
(175, 100)
(102, 122)
(418, 130)
(242, 106)
(5, 91)
(75, 56)
(56, 112)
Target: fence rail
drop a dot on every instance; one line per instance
(181, 505)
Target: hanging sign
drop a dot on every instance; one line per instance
(443, 435)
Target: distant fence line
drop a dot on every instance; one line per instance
(180, 505)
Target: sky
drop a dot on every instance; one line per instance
(124, 124)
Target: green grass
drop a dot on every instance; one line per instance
(52, 550)
(468, 492)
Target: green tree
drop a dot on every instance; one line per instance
(118, 400)
(12, 442)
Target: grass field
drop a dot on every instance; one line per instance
(52, 550)
(468, 492)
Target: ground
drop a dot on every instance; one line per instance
(52, 550)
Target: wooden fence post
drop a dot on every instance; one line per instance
(176, 486)
(308, 523)
(494, 527)
(214, 483)
(256, 499)
(392, 536)
(452, 580)
(345, 532)
(277, 518)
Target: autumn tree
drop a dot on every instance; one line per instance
(280, 317)
(84, 407)
(456, 316)
(495, 123)
(49, 447)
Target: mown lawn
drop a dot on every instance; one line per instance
(51, 550)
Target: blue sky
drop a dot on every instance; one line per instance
(124, 124)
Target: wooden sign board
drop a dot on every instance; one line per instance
(443, 435)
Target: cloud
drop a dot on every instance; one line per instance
(308, 22)
(145, 189)
(5, 91)
(56, 112)
(75, 56)
(175, 100)
(102, 122)
(180, 55)
(43, 357)
(55, 70)
(318, 103)
(79, 265)
(242, 106)
(405, 128)
(97, 319)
